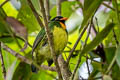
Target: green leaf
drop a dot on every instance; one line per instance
(98, 39)
(97, 66)
(2, 22)
(109, 53)
(118, 55)
(115, 72)
(26, 16)
(2, 13)
(90, 7)
(3, 26)
(93, 74)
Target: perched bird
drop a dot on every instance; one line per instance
(41, 49)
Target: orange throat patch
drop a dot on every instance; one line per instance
(63, 25)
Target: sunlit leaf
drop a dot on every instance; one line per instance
(9, 9)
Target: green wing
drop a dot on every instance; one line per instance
(38, 39)
(41, 38)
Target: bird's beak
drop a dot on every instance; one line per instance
(64, 18)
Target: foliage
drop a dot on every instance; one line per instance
(19, 27)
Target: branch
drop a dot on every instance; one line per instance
(48, 68)
(108, 6)
(26, 60)
(87, 36)
(84, 46)
(76, 67)
(87, 54)
(3, 3)
(98, 30)
(2, 63)
(64, 68)
(66, 51)
(75, 45)
(50, 40)
(87, 65)
(79, 60)
(22, 58)
(35, 13)
(58, 4)
(47, 9)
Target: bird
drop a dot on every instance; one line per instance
(41, 49)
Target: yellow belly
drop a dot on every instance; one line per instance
(60, 39)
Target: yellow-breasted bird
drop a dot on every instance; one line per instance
(59, 36)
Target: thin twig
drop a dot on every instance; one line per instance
(48, 68)
(87, 36)
(9, 36)
(87, 65)
(50, 40)
(75, 45)
(35, 13)
(47, 9)
(3, 3)
(84, 46)
(66, 51)
(108, 6)
(58, 4)
(115, 37)
(97, 24)
(79, 60)
(76, 67)
(2, 63)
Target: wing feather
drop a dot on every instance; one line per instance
(38, 39)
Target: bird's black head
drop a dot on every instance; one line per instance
(59, 18)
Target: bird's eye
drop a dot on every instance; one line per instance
(56, 19)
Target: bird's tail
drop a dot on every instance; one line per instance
(34, 69)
